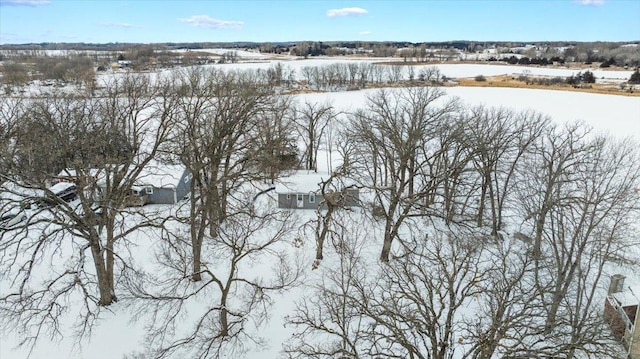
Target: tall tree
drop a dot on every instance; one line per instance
(312, 120)
(220, 112)
(396, 152)
(579, 202)
(102, 144)
(499, 139)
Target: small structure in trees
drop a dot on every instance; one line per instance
(621, 312)
(163, 184)
(156, 183)
(303, 191)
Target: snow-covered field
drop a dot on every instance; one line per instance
(243, 54)
(472, 70)
(448, 70)
(116, 336)
(293, 67)
(617, 115)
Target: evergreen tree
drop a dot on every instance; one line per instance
(635, 77)
(588, 77)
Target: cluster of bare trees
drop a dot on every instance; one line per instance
(66, 255)
(494, 228)
(360, 75)
(497, 228)
(75, 69)
(74, 256)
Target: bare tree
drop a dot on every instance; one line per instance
(395, 73)
(11, 111)
(507, 304)
(329, 221)
(579, 202)
(416, 304)
(274, 146)
(395, 152)
(499, 139)
(234, 297)
(88, 234)
(410, 307)
(430, 74)
(14, 75)
(329, 320)
(214, 141)
(312, 120)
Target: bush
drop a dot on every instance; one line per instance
(635, 77)
(512, 60)
(608, 63)
(588, 77)
(480, 78)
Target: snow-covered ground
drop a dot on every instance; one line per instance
(617, 115)
(116, 336)
(294, 67)
(472, 70)
(243, 54)
(448, 70)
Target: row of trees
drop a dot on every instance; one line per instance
(448, 187)
(77, 70)
(354, 76)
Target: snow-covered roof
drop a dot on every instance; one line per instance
(630, 295)
(13, 192)
(71, 172)
(305, 182)
(60, 186)
(160, 175)
(301, 182)
(154, 174)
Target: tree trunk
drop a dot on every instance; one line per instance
(105, 286)
(197, 269)
(386, 248)
(321, 234)
(197, 235)
(494, 215)
(109, 255)
(550, 322)
(198, 223)
(483, 197)
(224, 315)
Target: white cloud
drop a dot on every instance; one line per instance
(207, 22)
(589, 2)
(119, 24)
(25, 2)
(365, 32)
(346, 11)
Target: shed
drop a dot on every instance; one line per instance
(157, 183)
(163, 184)
(302, 191)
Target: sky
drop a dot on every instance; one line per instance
(154, 21)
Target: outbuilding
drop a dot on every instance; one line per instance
(303, 191)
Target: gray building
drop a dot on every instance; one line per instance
(302, 191)
(156, 184)
(163, 184)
